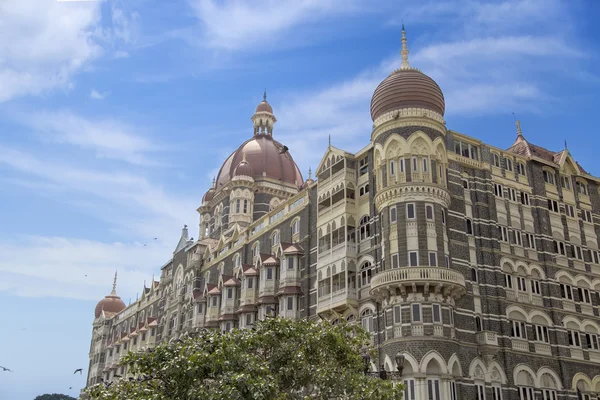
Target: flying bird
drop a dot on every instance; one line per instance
(70, 387)
(155, 238)
(4, 369)
(284, 149)
(80, 370)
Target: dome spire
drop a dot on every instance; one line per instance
(404, 52)
(114, 289)
(309, 173)
(265, 95)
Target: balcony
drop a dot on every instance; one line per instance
(520, 344)
(586, 309)
(439, 279)
(576, 353)
(594, 356)
(568, 305)
(338, 300)
(487, 338)
(543, 348)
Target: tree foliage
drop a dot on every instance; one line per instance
(276, 359)
(54, 396)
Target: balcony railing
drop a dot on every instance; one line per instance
(487, 338)
(444, 278)
(520, 344)
(543, 348)
(339, 298)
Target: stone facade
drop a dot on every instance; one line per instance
(479, 265)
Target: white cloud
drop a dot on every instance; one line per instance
(94, 94)
(121, 54)
(36, 266)
(44, 43)
(107, 138)
(235, 25)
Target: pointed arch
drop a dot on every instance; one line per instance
(411, 362)
(496, 373)
(477, 369)
(433, 357)
(454, 367)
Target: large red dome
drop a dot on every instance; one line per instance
(266, 159)
(111, 303)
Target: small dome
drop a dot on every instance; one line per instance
(407, 88)
(208, 196)
(263, 106)
(243, 168)
(110, 303)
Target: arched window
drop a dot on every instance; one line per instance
(469, 227)
(392, 168)
(425, 164)
(245, 206)
(275, 239)
(525, 383)
(364, 228)
(549, 387)
(393, 215)
(256, 250)
(496, 160)
(478, 325)
(465, 184)
(473, 274)
(296, 226)
(237, 206)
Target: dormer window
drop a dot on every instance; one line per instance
(565, 182)
(581, 187)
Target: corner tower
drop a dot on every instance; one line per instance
(410, 200)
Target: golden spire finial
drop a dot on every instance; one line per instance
(404, 52)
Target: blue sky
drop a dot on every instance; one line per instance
(115, 115)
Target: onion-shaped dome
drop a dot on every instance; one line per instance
(208, 196)
(407, 87)
(111, 303)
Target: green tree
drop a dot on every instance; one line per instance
(276, 359)
(54, 396)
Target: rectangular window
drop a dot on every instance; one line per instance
(592, 341)
(586, 215)
(409, 389)
(529, 240)
(566, 291)
(521, 285)
(553, 205)
(290, 263)
(584, 295)
(525, 198)
(415, 165)
(480, 392)
(526, 393)
(397, 315)
(410, 211)
(214, 301)
(549, 394)
(248, 319)
(437, 316)
(566, 182)
(498, 190)
(497, 393)
(512, 194)
(508, 281)
(200, 308)
(541, 334)
(153, 332)
(515, 238)
(290, 303)
(447, 258)
(433, 389)
(416, 313)
(393, 215)
(425, 164)
(432, 259)
(581, 187)
(269, 273)
(453, 391)
(135, 341)
(465, 150)
(570, 211)
(519, 330)
(443, 216)
(429, 212)
(413, 258)
(535, 287)
(503, 233)
(230, 293)
(395, 262)
(508, 163)
(594, 257)
(250, 282)
(549, 177)
(574, 339)
(392, 168)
